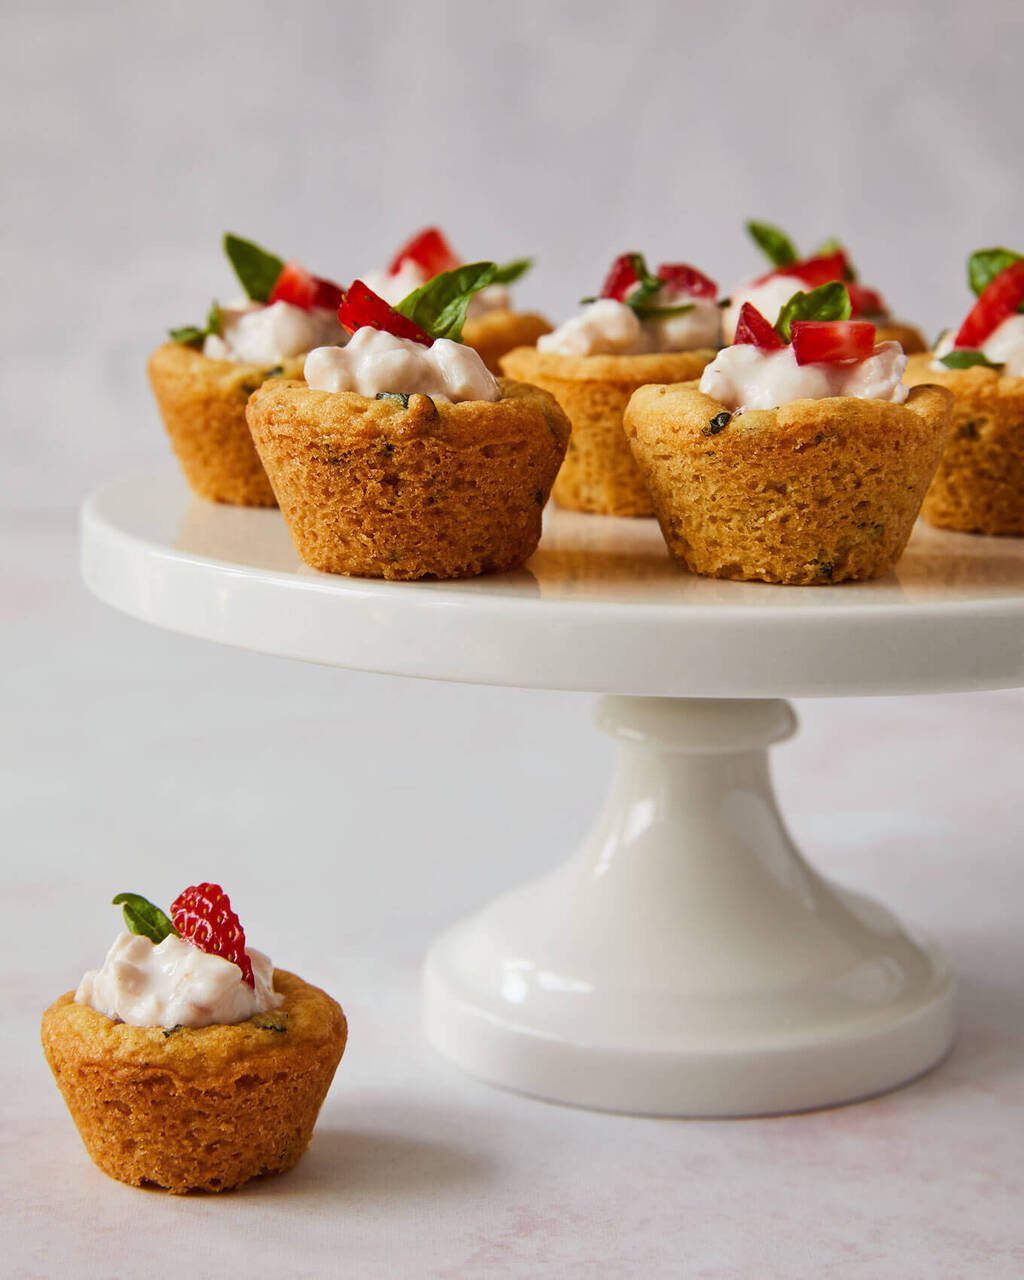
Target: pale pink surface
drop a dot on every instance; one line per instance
(135, 759)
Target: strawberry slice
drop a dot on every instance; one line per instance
(429, 250)
(865, 301)
(998, 301)
(753, 329)
(814, 272)
(832, 341)
(300, 288)
(686, 279)
(202, 915)
(362, 308)
(621, 279)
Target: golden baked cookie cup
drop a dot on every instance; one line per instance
(202, 404)
(599, 474)
(979, 486)
(495, 333)
(381, 488)
(910, 338)
(812, 493)
(203, 1109)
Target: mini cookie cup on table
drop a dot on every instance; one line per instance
(197, 1109)
(979, 485)
(401, 487)
(599, 474)
(814, 492)
(202, 403)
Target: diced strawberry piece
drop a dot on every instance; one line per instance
(328, 294)
(362, 308)
(832, 341)
(621, 279)
(864, 301)
(688, 280)
(814, 272)
(297, 286)
(998, 301)
(429, 250)
(753, 329)
(202, 915)
(294, 285)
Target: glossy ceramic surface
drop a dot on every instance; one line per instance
(600, 607)
(687, 961)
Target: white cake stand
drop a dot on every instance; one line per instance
(686, 960)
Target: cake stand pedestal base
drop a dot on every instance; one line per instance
(687, 960)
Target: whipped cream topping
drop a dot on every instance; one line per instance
(174, 984)
(410, 275)
(745, 377)
(768, 296)
(1004, 345)
(251, 333)
(374, 361)
(609, 327)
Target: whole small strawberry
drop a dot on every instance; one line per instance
(202, 914)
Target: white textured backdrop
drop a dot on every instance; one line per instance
(352, 817)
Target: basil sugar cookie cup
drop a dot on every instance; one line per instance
(203, 377)
(812, 493)
(979, 485)
(644, 327)
(401, 456)
(187, 1062)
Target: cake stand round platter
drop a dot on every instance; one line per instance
(686, 960)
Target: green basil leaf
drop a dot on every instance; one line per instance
(646, 287)
(439, 306)
(143, 918)
(662, 313)
(509, 272)
(188, 335)
(963, 358)
(257, 270)
(986, 264)
(773, 243)
(830, 302)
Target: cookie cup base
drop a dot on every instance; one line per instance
(204, 1109)
(202, 404)
(599, 474)
(979, 484)
(378, 489)
(812, 493)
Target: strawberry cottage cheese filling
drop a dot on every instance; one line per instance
(748, 377)
(174, 984)
(1005, 346)
(375, 362)
(254, 333)
(610, 327)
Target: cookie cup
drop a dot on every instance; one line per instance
(812, 493)
(979, 486)
(203, 1109)
(494, 333)
(599, 474)
(383, 489)
(202, 404)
